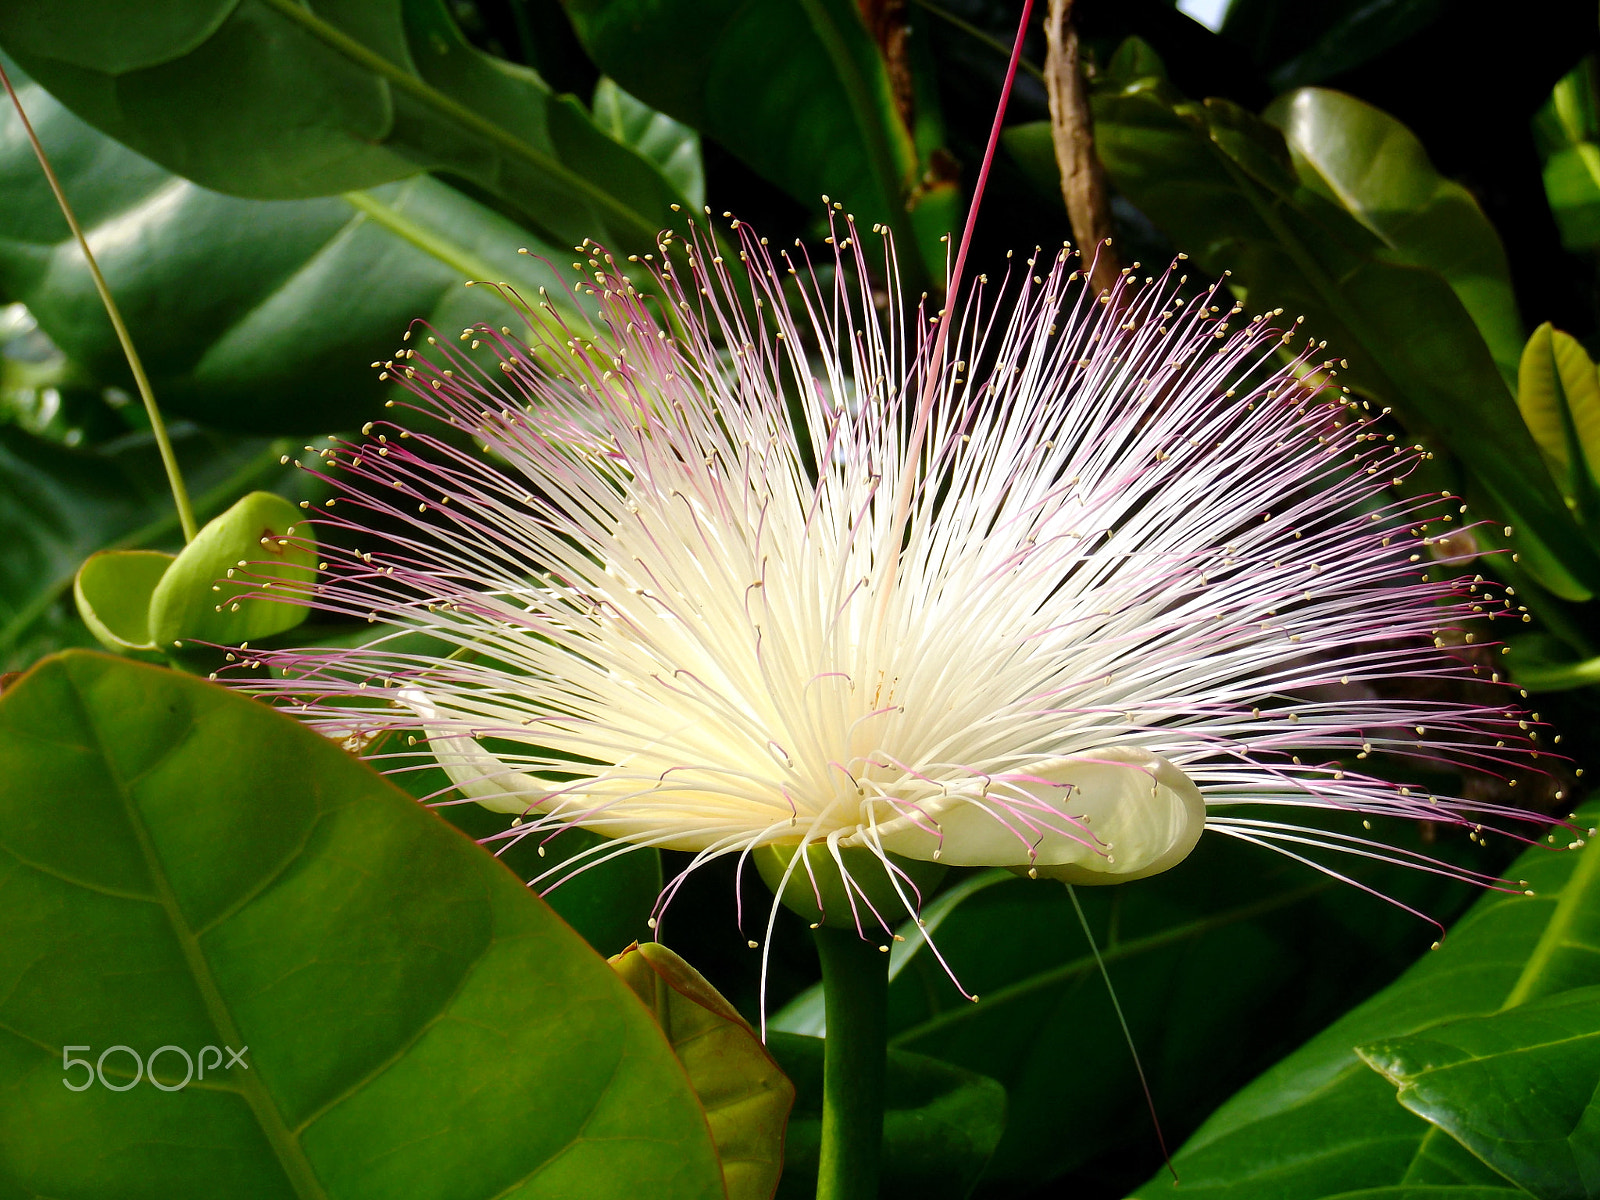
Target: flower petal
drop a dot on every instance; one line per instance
(1120, 813)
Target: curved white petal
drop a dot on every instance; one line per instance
(478, 774)
(1119, 813)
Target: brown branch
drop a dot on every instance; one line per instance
(1083, 179)
(886, 19)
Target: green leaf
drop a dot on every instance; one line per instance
(671, 145)
(1567, 130)
(1372, 166)
(1321, 1123)
(417, 1024)
(1558, 392)
(336, 98)
(746, 1097)
(940, 1124)
(263, 540)
(1220, 183)
(112, 591)
(59, 504)
(1519, 1088)
(248, 314)
(794, 88)
(606, 897)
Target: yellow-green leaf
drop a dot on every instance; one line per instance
(1559, 395)
(112, 590)
(746, 1097)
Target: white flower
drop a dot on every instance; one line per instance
(1133, 570)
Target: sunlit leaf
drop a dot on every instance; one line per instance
(1519, 1088)
(418, 1025)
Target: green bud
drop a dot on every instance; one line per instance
(868, 877)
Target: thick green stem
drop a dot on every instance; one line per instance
(855, 984)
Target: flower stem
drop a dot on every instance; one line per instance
(855, 985)
(158, 427)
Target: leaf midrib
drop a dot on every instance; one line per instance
(297, 1168)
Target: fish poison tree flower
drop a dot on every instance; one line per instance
(758, 561)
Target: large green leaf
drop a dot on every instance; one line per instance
(59, 504)
(418, 1025)
(607, 897)
(1519, 1088)
(1374, 168)
(1322, 1123)
(795, 88)
(1221, 965)
(940, 1124)
(345, 95)
(249, 314)
(1219, 181)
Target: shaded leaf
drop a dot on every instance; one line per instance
(940, 1123)
(1321, 1123)
(417, 1024)
(795, 88)
(1567, 130)
(745, 1096)
(216, 589)
(248, 314)
(1519, 1088)
(341, 97)
(672, 146)
(1221, 965)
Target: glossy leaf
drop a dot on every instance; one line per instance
(1373, 167)
(1321, 1123)
(417, 1024)
(59, 504)
(1219, 181)
(249, 314)
(217, 590)
(1558, 391)
(745, 1095)
(112, 591)
(671, 145)
(1519, 1088)
(1567, 130)
(606, 897)
(940, 1124)
(1220, 965)
(336, 98)
(797, 89)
